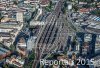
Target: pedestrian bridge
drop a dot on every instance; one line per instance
(35, 23)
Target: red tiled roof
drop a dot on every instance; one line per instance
(22, 40)
(44, 2)
(84, 10)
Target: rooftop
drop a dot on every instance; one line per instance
(15, 61)
(4, 34)
(22, 40)
(3, 51)
(44, 2)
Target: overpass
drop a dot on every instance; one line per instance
(35, 23)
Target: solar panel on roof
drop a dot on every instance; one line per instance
(97, 19)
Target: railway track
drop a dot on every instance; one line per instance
(48, 35)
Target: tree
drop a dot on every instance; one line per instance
(86, 6)
(50, 4)
(65, 4)
(63, 10)
(15, 2)
(29, 60)
(89, 1)
(0, 15)
(93, 5)
(49, 7)
(74, 42)
(31, 56)
(12, 47)
(96, 12)
(75, 8)
(5, 65)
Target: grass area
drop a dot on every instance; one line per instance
(30, 60)
(9, 66)
(96, 12)
(29, 65)
(64, 8)
(12, 47)
(32, 56)
(89, 1)
(49, 8)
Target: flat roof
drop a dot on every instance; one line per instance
(5, 34)
(3, 49)
(2, 52)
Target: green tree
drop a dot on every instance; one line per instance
(15, 2)
(32, 56)
(0, 15)
(50, 4)
(86, 6)
(5, 65)
(89, 1)
(96, 12)
(65, 4)
(30, 60)
(74, 41)
(63, 10)
(12, 48)
(49, 7)
(75, 8)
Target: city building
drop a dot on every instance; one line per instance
(44, 2)
(19, 16)
(17, 61)
(38, 13)
(7, 42)
(6, 29)
(4, 35)
(11, 24)
(31, 43)
(87, 37)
